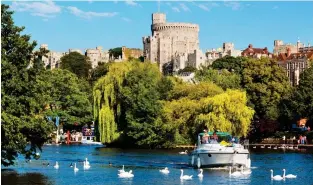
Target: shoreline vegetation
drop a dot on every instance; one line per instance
(134, 105)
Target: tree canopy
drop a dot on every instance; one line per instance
(77, 64)
(22, 120)
(230, 63)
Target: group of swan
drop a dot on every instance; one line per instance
(237, 173)
(278, 177)
(125, 174)
(86, 165)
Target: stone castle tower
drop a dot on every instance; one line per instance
(169, 40)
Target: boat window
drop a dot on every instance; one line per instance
(88, 138)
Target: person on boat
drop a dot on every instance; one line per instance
(215, 137)
(205, 138)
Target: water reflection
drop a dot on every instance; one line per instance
(12, 177)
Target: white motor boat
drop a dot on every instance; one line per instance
(219, 153)
(90, 140)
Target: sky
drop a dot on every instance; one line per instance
(81, 25)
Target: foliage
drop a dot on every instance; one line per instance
(222, 78)
(141, 97)
(77, 64)
(116, 52)
(230, 63)
(266, 84)
(187, 69)
(98, 72)
(108, 110)
(67, 96)
(194, 91)
(164, 87)
(22, 121)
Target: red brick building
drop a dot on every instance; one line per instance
(256, 52)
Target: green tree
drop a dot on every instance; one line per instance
(141, 98)
(67, 96)
(266, 84)
(98, 72)
(115, 52)
(22, 121)
(187, 69)
(108, 110)
(77, 64)
(230, 63)
(222, 78)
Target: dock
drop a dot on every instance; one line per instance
(259, 145)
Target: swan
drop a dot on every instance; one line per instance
(247, 172)
(201, 173)
(262, 146)
(126, 174)
(235, 173)
(184, 177)
(275, 148)
(122, 170)
(185, 152)
(254, 147)
(56, 166)
(289, 176)
(87, 162)
(86, 166)
(75, 168)
(165, 170)
(276, 177)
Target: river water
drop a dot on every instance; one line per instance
(146, 164)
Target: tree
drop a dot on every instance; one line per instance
(141, 98)
(98, 72)
(68, 96)
(77, 64)
(230, 63)
(266, 84)
(22, 120)
(108, 110)
(222, 78)
(187, 69)
(115, 52)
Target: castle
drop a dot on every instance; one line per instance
(172, 42)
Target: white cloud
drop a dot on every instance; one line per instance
(47, 9)
(132, 3)
(88, 15)
(233, 5)
(175, 9)
(184, 7)
(126, 19)
(275, 7)
(203, 7)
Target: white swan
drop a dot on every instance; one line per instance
(276, 177)
(184, 177)
(185, 152)
(87, 162)
(86, 166)
(75, 168)
(201, 173)
(165, 170)
(56, 166)
(246, 172)
(126, 174)
(235, 173)
(289, 176)
(122, 170)
(254, 147)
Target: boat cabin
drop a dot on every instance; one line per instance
(215, 138)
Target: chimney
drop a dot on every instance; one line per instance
(250, 46)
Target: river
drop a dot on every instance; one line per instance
(146, 164)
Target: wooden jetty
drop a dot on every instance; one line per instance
(259, 145)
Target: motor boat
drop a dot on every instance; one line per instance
(219, 151)
(90, 140)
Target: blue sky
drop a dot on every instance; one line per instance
(81, 25)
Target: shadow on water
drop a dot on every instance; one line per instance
(11, 177)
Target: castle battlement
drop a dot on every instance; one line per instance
(174, 26)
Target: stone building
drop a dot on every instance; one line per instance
(256, 52)
(280, 47)
(294, 63)
(97, 55)
(52, 59)
(195, 59)
(227, 50)
(169, 40)
(131, 52)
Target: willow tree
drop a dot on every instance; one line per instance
(107, 103)
(227, 112)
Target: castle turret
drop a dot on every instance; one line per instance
(158, 18)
